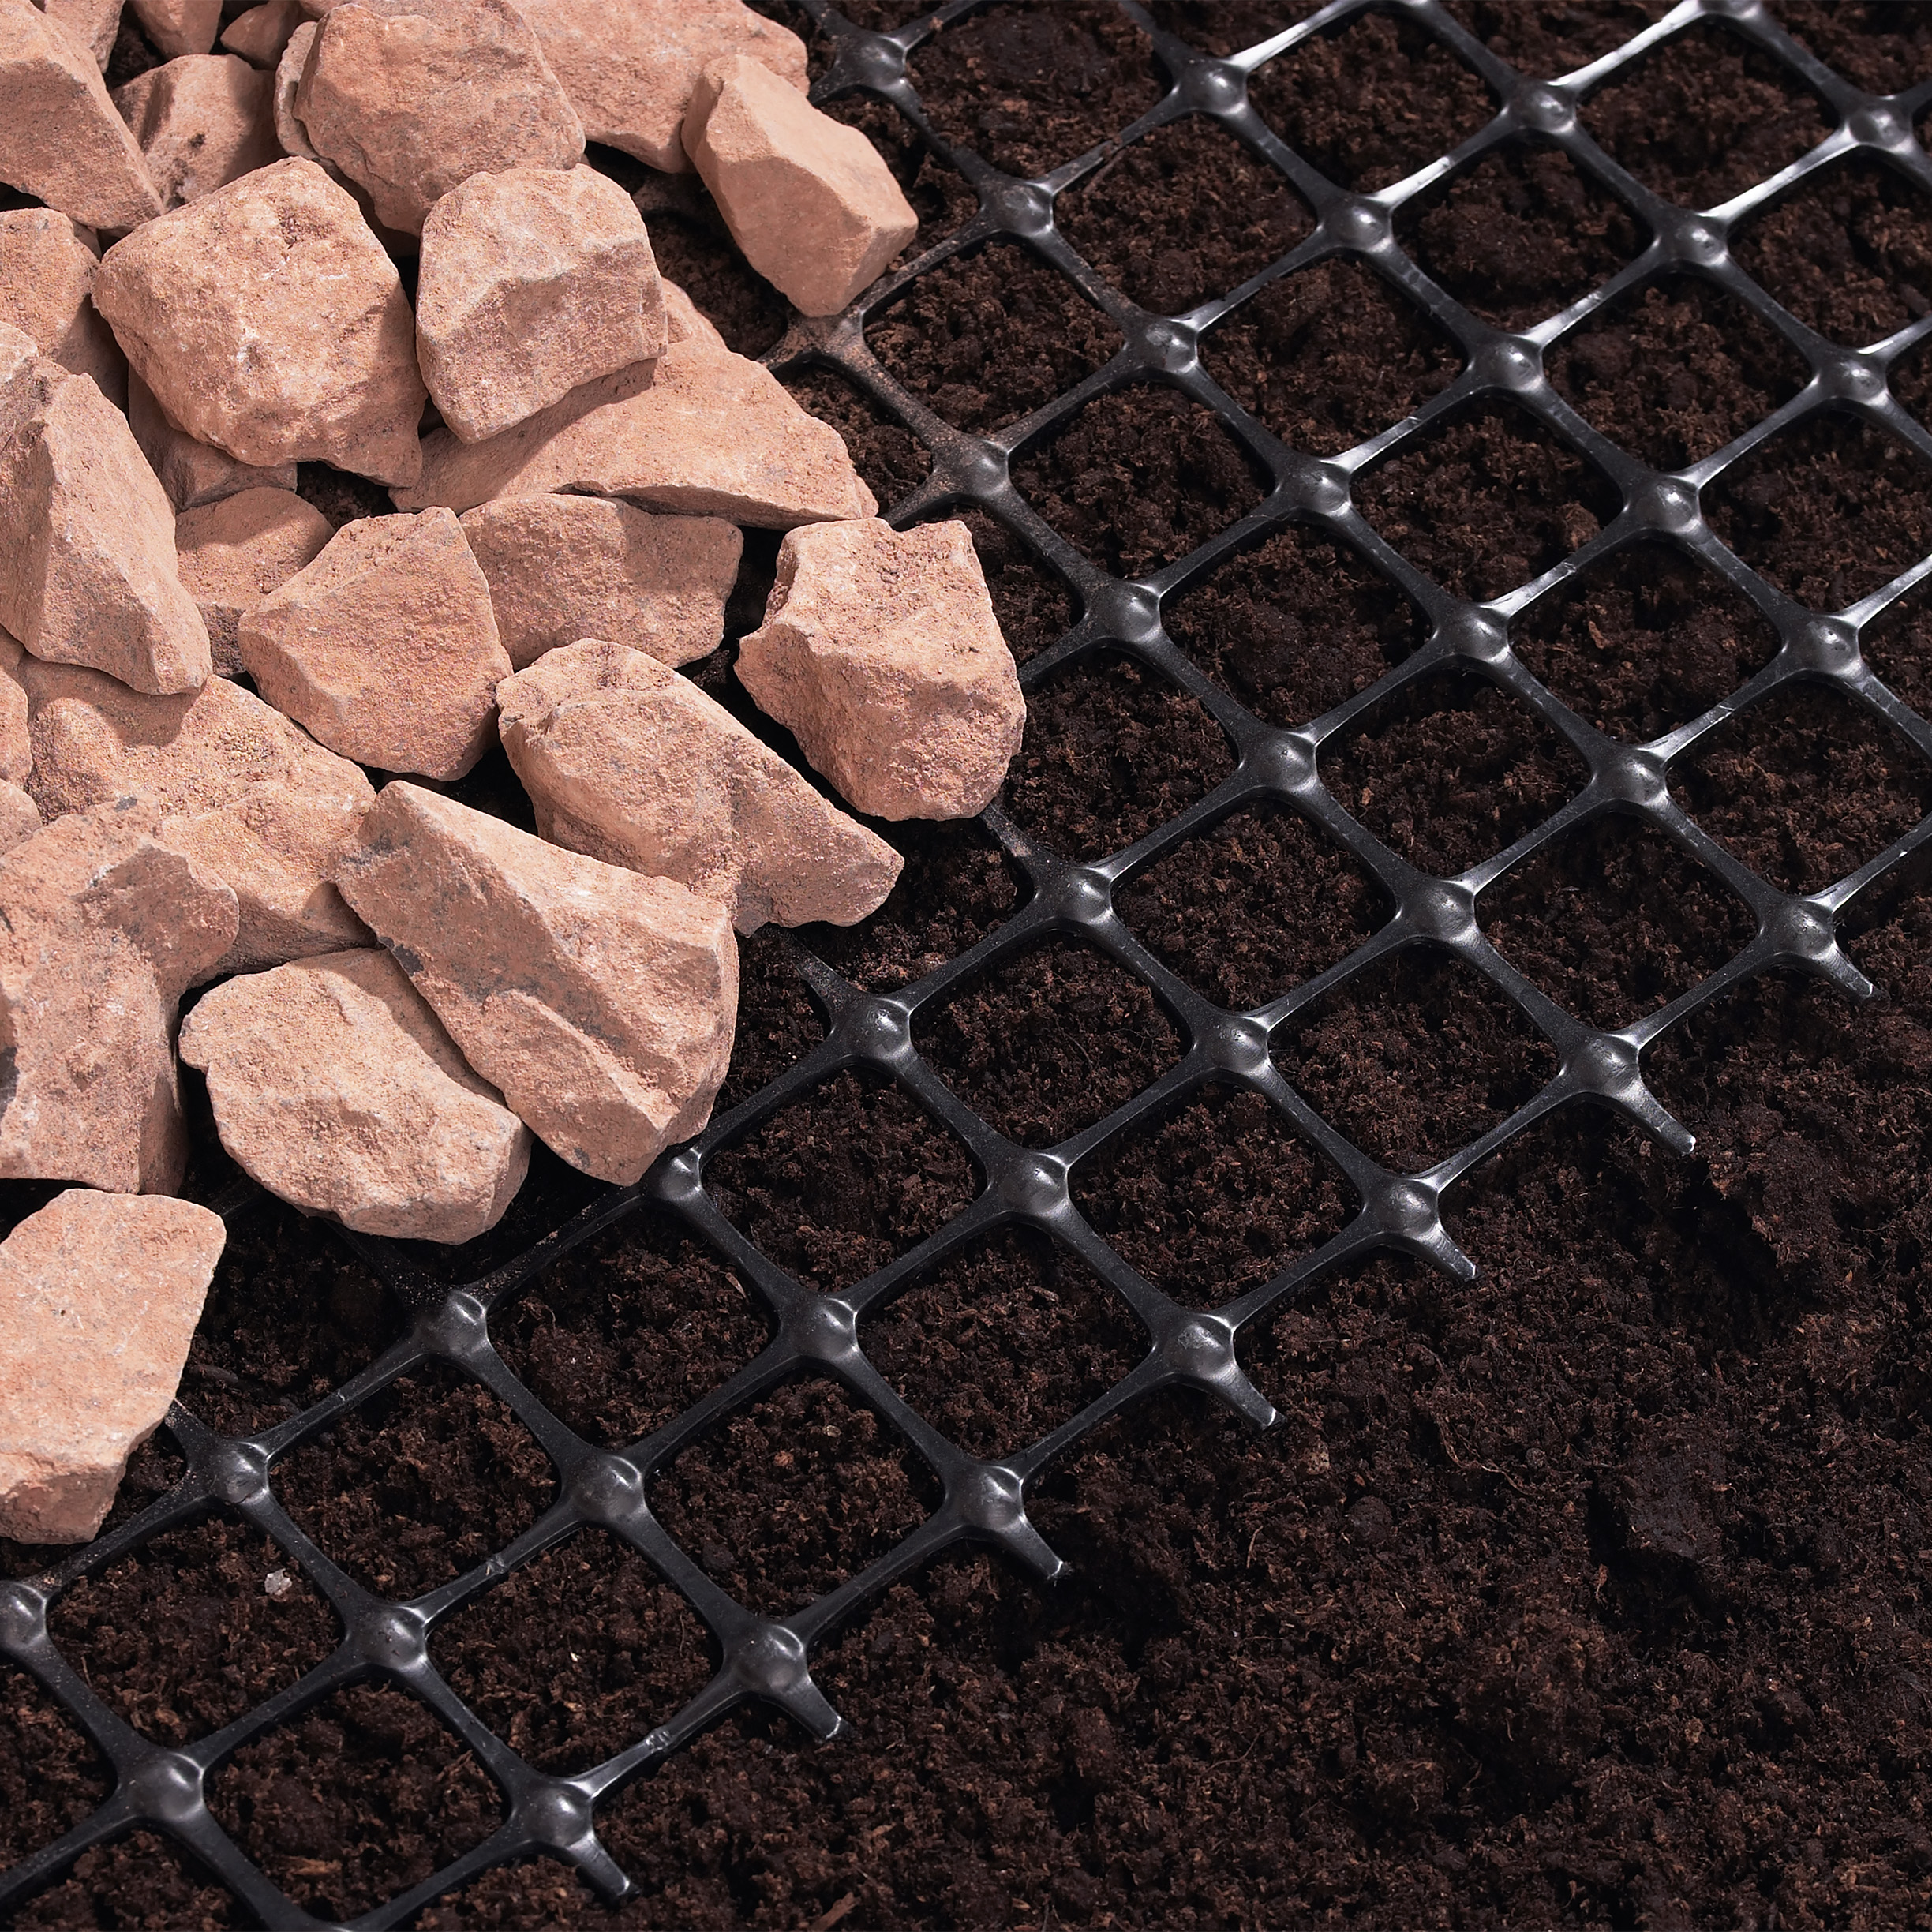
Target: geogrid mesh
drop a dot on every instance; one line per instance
(388, 1641)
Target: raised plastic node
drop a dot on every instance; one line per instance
(1691, 238)
(1019, 206)
(1284, 762)
(769, 1658)
(980, 471)
(1475, 634)
(1634, 776)
(989, 1499)
(1199, 1345)
(824, 1328)
(1079, 893)
(1738, 9)
(1851, 376)
(1407, 1207)
(1214, 87)
(872, 60)
(555, 1814)
(1239, 1045)
(1128, 612)
(1606, 1065)
(1509, 362)
(1549, 110)
(1828, 644)
(1441, 910)
(23, 1616)
(1879, 126)
(1033, 1183)
(389, 1634)
(237, 1474)
(458, 1326)
(676, 1181)
(1321, 486)
(881, 1029)
(167, 1789)
(1361, 223)
(607, 1487)
(1665, 503)
(1799, 930)
(1168, 345)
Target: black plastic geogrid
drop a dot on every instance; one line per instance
(759, 1659)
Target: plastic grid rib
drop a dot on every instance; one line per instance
(986, 1502)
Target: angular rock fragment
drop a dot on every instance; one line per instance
(630, 69)
(179, 27)
(91, 23)
(99, 1295)
(289, 130)
(232, 553)
(202, 121)
(632, 764)
(61, 140)
(240, 791)
(683, 322)
(409, 99)
(532, 281)
(103, 928)
(47, 286)
(88, 572)
(565, 568)
(700, 431)
(20, 817)
(193, 473)
(334, 1085)
(260, 35)
(384, 647)
(600, 1003)
(881, 654)
(15, 740)
(268, 321)
(809, 199)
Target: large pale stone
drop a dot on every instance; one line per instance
(410, 98)
(88, 570)
(384, 647)
(193, 474)
(268, 321)
(565, 568)
(103, 927)
(700, 431)
(334, 1085)
(179, 27)
(630, 66)
(810, 200)
(99, 1295)
(46, 288)
(631, 763)
(260, 35)
(241, 790)
(532, 281)
(600, 1003)
(202, 121)
(91, 23)
(61, 140)
(881, 654)
(233, 552)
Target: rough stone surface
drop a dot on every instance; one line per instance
(47, 286)
(532, 283)
(99, 1295)
(241, 790)
(810, 200)
(384, 647)
(88, 572)
(61, 140)
(268, 320)
(334, 1085)
(260, 35)
(600, 1003)
(700, 431)
(193, 474)
(289, 130)
(685, 321)
(880, 652)
(565, 568)
(630, 69)
(16, 740)
(202, 121)
(20, 817)
(91, 23)
(411, 100)
(179, 27)
(233, 552)
(632, 764)
(103, 927)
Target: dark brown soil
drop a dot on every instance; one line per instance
(1705, 117)
(1372, 103)
(892, 460)
(141, 1882)
(1225, 27)
(1034, 606)
(1547, 38)
(1327, 358)
(1185, 214)
(1644, 641)
(1881, 45)
(1675, 371)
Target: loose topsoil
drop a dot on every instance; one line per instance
(1591, 1593)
